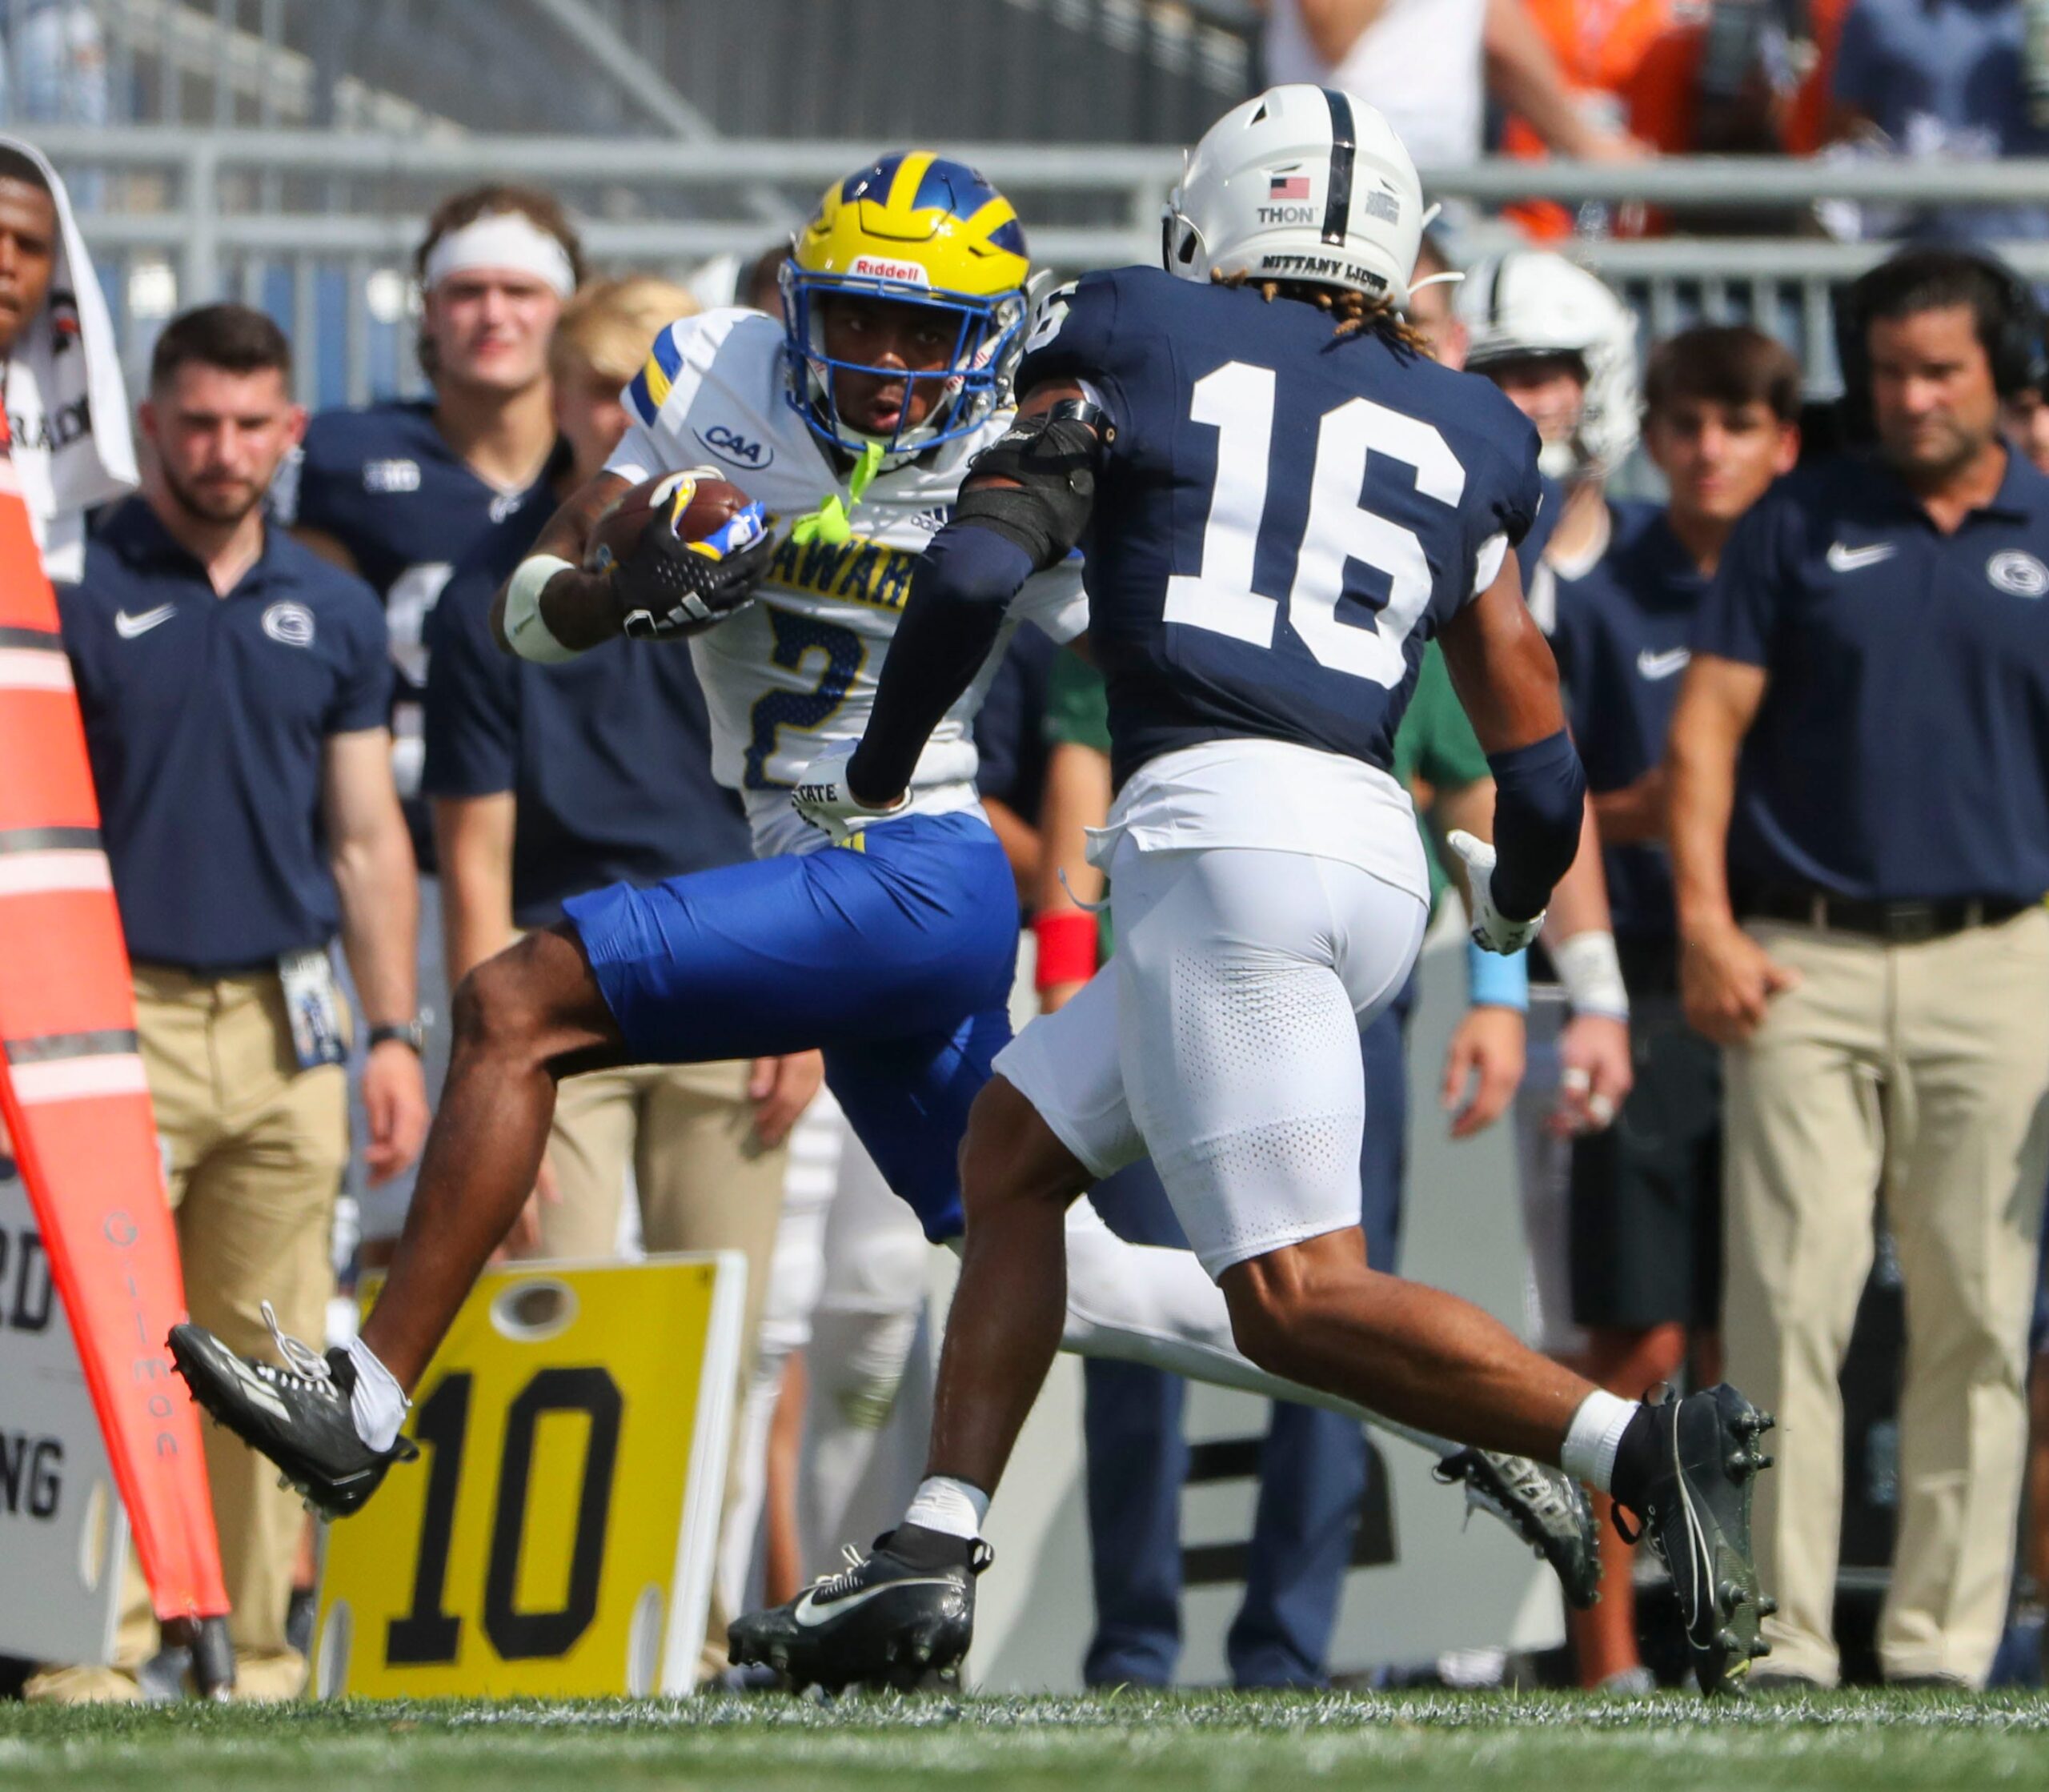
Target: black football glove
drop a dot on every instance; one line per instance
(667, 587)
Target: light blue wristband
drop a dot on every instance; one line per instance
(1493, 981)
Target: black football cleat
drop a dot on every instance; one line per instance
(1542, 1506)
(1698, 1511)
(298, 1415)
(885, 1621)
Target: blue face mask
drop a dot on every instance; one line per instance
(987, 333)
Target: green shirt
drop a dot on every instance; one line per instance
(1436, 742)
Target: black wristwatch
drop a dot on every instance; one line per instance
(412, 1033)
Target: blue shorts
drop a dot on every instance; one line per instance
(896, 958)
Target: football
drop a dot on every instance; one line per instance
(693, 502)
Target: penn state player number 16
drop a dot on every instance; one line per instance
(1270, 891)
(1238, 399)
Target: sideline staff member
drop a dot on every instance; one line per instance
(1722, 403)
(1860, 832)
(235, 690)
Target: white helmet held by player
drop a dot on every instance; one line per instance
(1302, 183)
(1531, 305)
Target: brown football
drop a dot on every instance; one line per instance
(694, 502)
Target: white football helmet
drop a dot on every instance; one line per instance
(1530, 303)
(1302, 183)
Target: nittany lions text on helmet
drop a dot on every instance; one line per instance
(1530, 305)
(919, 229)
(1301, 183)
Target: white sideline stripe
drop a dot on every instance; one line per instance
(67, 868)
(73, 1078)
(31, 669)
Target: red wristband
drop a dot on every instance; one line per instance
(1067, 947)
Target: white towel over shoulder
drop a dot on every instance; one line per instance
(67, 406)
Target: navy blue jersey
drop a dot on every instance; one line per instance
(207, 718)
(1621, 639)
(609, 758)
(1286, 516)
(1010, 727)
(384, 482)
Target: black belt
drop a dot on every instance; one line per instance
(1897, 923)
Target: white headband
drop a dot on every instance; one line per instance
(503, 239)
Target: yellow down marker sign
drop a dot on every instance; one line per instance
(558, 1535)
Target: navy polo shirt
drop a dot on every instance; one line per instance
(206, 719)
(608, 757)
(1622, 641)
(1010, 727)
(1901, 749)
(384, 482)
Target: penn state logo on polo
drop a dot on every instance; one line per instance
(2020, 573)
(753, 452)
(289, 622)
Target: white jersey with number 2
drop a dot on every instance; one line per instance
(796, 670)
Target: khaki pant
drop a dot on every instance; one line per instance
(253, 1152)
(706, 1183)
(1921, 1070)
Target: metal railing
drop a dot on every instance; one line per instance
(319, 227)
(1136, 70)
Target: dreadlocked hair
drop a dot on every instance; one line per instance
(1356, 313)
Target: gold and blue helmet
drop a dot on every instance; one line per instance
(916, 229)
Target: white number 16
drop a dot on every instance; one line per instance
(1237, 401)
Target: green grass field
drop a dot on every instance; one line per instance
(1178, 1744)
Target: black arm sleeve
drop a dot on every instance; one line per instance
(1540, 795)
(963, 586)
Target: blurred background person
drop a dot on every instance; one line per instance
(1721, 405)
(549, 781)
(1562, 348)
(1860, 842)
(1941, 80)
(235, 689)
(1431, 65)
(2025, 419)
(403, 491)
(66, 404)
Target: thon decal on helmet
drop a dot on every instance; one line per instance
(1530, 305)
(914, 229)
(1304, 184)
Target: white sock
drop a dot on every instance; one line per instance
(1595, 1435)
(943, 1504)
(379, 1405)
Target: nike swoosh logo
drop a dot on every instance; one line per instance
(1844, 558)
(1663, 665)
(809, 1616)
(128, 626)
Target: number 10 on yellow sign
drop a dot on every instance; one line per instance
(558, 1535)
